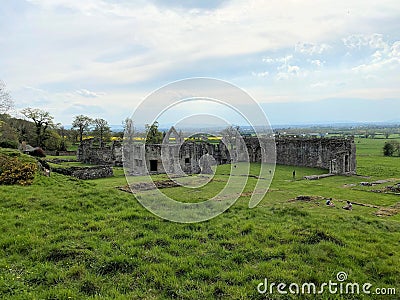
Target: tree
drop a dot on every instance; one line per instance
(8, 135)
(129, 129)
(6, 102)
(101, 129)
(62, 132)
(82, 124)
(42, 119)
(396, 146)
(388, 149)
(229, 135)
(53, 142)
(153, 135)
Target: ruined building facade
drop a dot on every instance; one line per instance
(337, 155)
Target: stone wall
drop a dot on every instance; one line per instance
(86, 172)
(337, 155)
(61, 153)
(91, 151)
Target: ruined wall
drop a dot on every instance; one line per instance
(338, 155)
(90, 152)
(177, 158)
(86, 172)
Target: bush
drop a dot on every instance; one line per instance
(9, 144)
(38, 152)
(391, 148)
(388, 149)
(13, 171)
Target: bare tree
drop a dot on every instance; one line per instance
(42, 119)
(229, 136)
(82, 124)
(6, 102)
(129, 129)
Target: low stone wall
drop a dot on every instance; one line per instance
(86, 172)
(61, 153)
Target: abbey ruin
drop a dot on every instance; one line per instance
(336, 155)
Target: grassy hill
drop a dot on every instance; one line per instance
(63, 238)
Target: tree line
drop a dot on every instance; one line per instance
(40, 129)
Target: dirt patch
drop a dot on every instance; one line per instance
(388, 211)
(146, 186)
(306, 198)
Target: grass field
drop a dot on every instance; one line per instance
(64, 238)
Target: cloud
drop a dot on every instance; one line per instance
(311, 48)
(282, 59)
(374, 41)
(387, 58)
(128, 48)
(395, 49)
(316, 62)
(320, 84)
(88, 94)
(288, 71)
(260, 74)
(170, 36)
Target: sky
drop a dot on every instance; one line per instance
(302, 61)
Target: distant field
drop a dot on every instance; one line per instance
(64, 238)
(370, 159)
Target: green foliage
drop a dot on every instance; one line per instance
(8, 135)
(153, 135)
(52, 141)
(391, 148)
(42, 120)
(82, 123)
(388, 149)
(16, 153)
(101, 130)
(14, 171)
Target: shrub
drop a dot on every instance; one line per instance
(38, 152)
(9, 144)
(391, 148)
(388, 149)
(13, 171)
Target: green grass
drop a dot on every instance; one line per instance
(16, 153)
(64, 238)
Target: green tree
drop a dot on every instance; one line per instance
(388, 149)
(53, 141)
(82, 124)
(153, 135)
(101, 130)
(396, 146)
(8, 135)
(42, 119)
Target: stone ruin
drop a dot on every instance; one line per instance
(92, 151)
(337, 155)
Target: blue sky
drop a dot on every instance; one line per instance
(303, 61)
